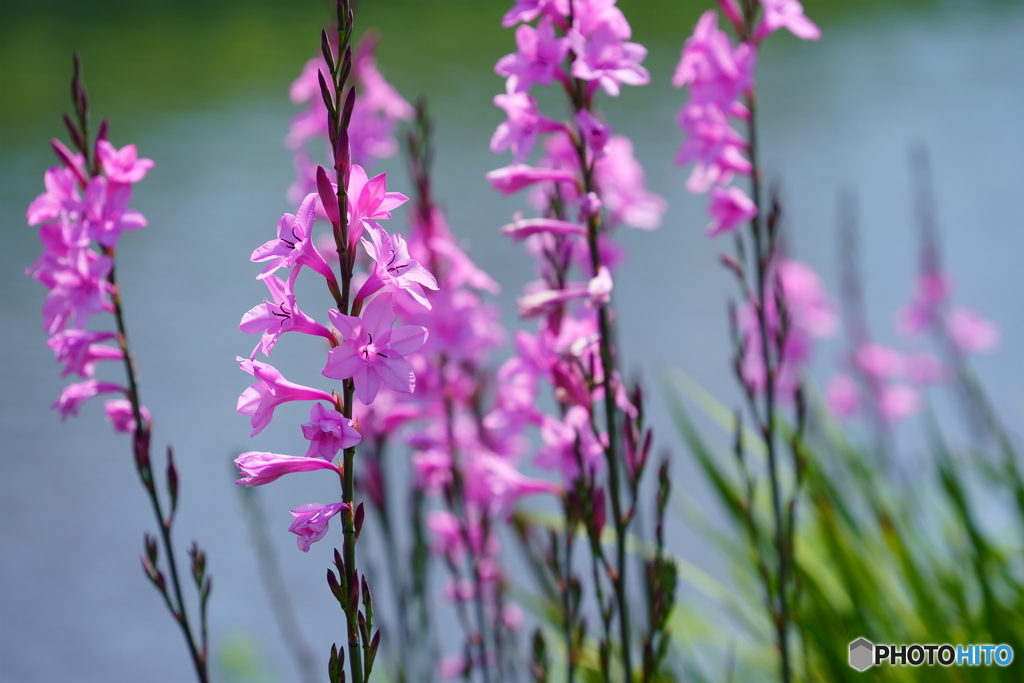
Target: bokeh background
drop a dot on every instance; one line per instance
(201, 88)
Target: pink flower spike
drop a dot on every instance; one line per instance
(842, 396)
(328, 432)
(788, 14)
(122, 417)
(260, 400)
(122, 165)
(522, 229)
(74, 395)
(728, 208)
(970, 332)
(394, 268)
(311, 521)
(262, 468)
(373, 352)
(511, 179)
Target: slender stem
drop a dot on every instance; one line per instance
(141, 441)
(763, 254)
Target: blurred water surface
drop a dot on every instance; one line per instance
(201, 88)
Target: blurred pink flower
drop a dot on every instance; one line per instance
(311, 522)
(970, 332)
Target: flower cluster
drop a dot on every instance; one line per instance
(891, 381)
(721, 77)
(80, 217)
(366, 346)
(378, 107)
(585, 183)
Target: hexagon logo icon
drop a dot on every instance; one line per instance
(862, 654)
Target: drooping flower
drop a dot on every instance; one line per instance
(294, 245)
(520, 130)
(328, 432)
(311, 521)
(260, 400)
(372, 351)
(78, 350)
(279, 315)
(79, 290)
(262, 468)
(74, 395)
(122, 417)
(729, 208)
(511, 179)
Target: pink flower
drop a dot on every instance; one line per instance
(594, 131)
(538, 59)
(493, 482)
(394, 268)
(970, 332)
(260, 400)
(372, 351)
(61, 193)
(523, 228)
(262, 468)
(728, 208)
(106, 211)
(589, 15)
(294, 244)
(528, 10)
(713, 144)
(842, 396)
(788, 14)
(311, 521)
(369, 201)
(78, 350)
(568, 443)
(122, 417)
(896, 402)
(511, 179)
(524, 123)
(281, 314)
(806, 300)
(78, 291)
(877, 361)
(122, 165)
(603, 57)
(543, 301)
(74, 395)
(623, 188)
(328, 432)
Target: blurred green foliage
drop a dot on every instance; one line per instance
(897, 554)
(147, 57)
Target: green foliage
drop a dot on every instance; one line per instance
(881, 553)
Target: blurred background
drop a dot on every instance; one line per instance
(201, 88)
